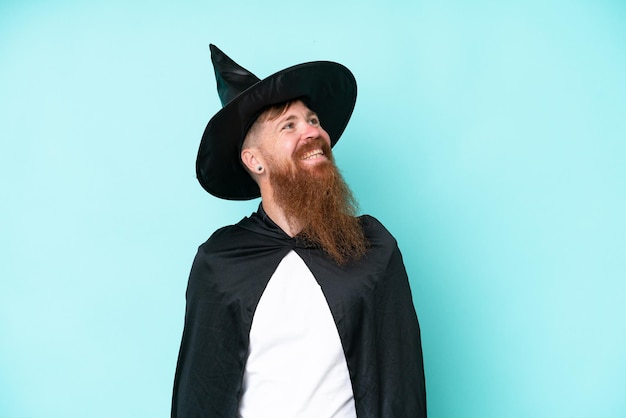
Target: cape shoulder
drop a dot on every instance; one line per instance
(373, 227)
(244, 234)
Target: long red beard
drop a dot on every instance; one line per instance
(319, 201)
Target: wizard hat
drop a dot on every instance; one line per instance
(327, 88)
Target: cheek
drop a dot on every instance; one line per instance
(289, 149)
(279, 150)
(325, 136)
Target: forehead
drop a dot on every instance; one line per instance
(265, 127)
(280, 111)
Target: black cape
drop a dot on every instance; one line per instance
(370, 301)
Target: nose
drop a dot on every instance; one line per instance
(311, 131)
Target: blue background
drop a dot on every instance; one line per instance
(488, 136)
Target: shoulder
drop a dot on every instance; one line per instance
(224, 238)
(382, 244)
(376, 231)
(225, 234)
(250, 232)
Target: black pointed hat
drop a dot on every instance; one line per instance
(327, 88)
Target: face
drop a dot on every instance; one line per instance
(295, 140)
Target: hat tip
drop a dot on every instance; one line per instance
(214, 49)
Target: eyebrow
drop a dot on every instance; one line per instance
(292, 117)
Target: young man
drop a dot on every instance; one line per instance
(302, 309)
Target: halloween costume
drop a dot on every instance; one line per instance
(370, 301)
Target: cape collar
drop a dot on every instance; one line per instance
(260, 222)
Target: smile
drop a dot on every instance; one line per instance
(313, 154)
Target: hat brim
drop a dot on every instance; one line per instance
(327, 88)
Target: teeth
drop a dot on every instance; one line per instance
(312, 154)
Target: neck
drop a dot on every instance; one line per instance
(277, 215)
(275, 211)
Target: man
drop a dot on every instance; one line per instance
(302, 309)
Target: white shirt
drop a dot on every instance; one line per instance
(296, 365)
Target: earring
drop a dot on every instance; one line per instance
(259, 168)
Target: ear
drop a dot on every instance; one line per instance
(252, 159)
